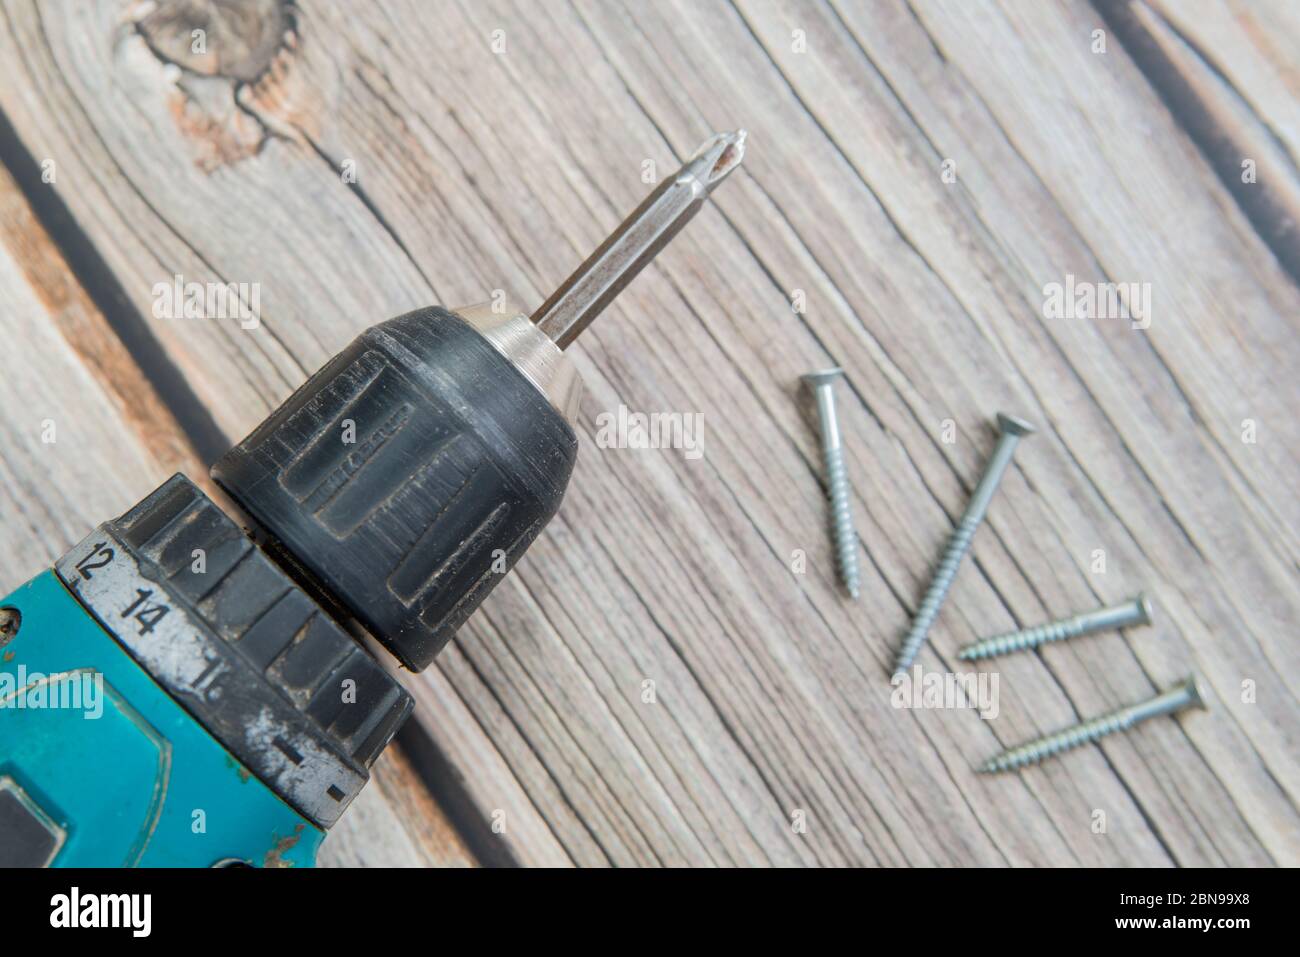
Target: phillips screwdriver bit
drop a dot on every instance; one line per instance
(636, 241)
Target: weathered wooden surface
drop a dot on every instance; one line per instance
(477, 170)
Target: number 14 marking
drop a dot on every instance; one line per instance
(146, 613)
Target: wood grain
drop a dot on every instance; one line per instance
(85, 438)
(1243, 121)
(478, 170)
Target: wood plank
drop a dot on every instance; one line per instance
(1242, 120)
(394, 822)
(479, 171)
(85, 438)
(1251, 48)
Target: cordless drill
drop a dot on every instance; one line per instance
(182, 689)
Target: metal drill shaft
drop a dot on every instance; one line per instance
(1011, 430)
(846, 537)
(1187, 694)
(1134, 612)
(582, 296)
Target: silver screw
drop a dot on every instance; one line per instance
(1134, 612)
(846, 538)
(1187, 694)
(1010, 429)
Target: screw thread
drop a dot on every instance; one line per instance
(1044, 747)
(958, 544)
(846, 537)
(1020, 640)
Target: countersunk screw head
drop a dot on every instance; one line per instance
(1011, 425)
(1195, 691)
(822, 376)
(1145, 607)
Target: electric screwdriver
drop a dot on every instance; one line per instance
(186, 689)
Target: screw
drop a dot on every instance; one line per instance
(1187, 694)
(1134, 612)
(1011, 430)
(846, 538)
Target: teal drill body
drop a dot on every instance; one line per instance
(171, 696)
(100, 767)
